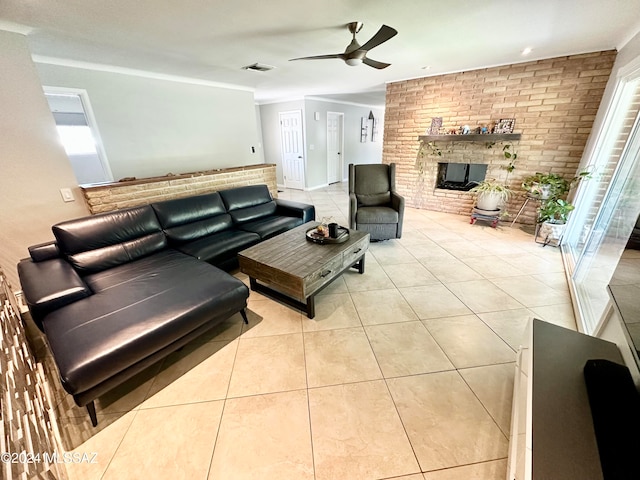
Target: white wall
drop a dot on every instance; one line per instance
(354, 151)
(33, 164)
(151, 127)
(270, 122)
(315, 133)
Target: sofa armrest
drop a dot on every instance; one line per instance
(296, 209)
(49, 285)
(353, 208)
(397, 203)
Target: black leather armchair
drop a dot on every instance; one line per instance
(374, 205)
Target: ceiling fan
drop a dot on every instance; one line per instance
(355, 54)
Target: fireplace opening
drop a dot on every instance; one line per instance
(460, 176)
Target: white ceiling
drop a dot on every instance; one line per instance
(210, 40)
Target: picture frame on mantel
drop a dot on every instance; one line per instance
(505, 125)
(436, 125)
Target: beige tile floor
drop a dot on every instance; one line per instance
(406, 372)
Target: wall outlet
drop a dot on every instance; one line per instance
(67, 194)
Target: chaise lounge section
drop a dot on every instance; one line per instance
(116, 292)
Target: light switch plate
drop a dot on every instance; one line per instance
(67, 194)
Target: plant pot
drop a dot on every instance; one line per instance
(488, 200)
(551, 231)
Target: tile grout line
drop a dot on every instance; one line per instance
(306, 380)
(224, 404)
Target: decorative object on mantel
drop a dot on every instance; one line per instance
(472, 137)
(505, 125)
(436, 125)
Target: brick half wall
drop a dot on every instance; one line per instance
(113, 196)
(553, 101)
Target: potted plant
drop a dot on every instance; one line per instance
(551, 185)
(491, 194)
(552, 218)
(555, 211)
(546, 185)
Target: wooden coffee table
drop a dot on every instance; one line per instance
(292, 269)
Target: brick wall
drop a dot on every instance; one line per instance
(113, 196)
(554, 102)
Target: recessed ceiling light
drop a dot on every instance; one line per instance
(526, 51)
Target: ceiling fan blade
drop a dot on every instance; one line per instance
(385, 33)
(375, 64)
(319, 57)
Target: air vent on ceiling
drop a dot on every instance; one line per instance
(259, 67)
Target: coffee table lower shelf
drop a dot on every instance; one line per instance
(310, 306)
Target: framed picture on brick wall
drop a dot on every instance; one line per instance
(505, 125)
(436, 125)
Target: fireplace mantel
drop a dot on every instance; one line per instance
(473, 137)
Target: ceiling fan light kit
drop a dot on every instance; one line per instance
(355, 54)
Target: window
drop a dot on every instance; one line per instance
(78, 135)
(77, 140)
(607, 205)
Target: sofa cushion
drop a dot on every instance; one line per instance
(271, 226)
(219, 247)
(374, 199)
(190, 218)
(143, 307)
(245, 204)
(376, 215)
(95, 243)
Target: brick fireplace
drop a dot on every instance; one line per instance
(553, 101)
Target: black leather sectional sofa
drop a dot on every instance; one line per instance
(116, 292)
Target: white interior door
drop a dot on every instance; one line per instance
(335, 126)
(292, 149)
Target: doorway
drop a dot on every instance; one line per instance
(79, 135)
(335, 146)
(292, 149)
